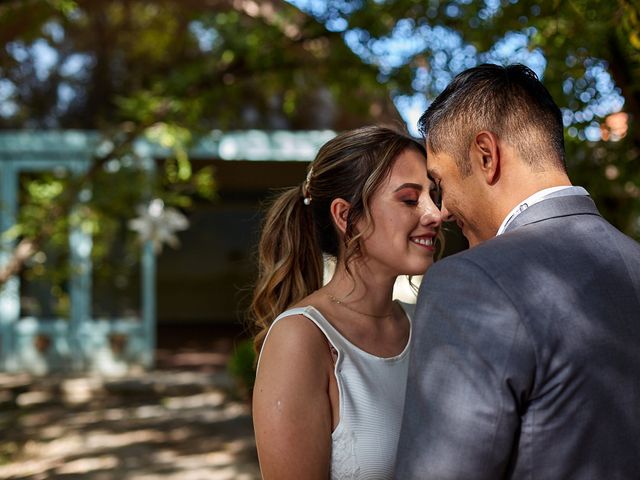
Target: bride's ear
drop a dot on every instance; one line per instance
(339, 213)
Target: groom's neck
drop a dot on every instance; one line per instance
(520, 184)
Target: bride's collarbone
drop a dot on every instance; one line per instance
(379, 337)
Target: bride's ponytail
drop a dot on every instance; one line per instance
(290, 260)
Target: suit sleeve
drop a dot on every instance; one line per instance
(471, 371)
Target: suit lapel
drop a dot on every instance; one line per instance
(555, 207)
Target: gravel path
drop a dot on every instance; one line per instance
(156, 425)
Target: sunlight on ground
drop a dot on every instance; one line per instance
(140, 433)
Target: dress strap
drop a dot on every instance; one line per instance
(329, 332)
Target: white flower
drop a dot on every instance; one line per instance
(158, 224)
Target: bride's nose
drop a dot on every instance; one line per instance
(431, 215)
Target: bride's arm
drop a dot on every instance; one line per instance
(291, 406)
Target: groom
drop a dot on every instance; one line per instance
(526, 354)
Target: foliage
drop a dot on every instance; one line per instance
(586, 51)
(169, 71)
(242, 366)
(172, 70)
(226, 65)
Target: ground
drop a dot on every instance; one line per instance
(184, 420)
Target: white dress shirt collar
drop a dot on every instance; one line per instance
(538, 197)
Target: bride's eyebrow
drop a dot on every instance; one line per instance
(415, 186)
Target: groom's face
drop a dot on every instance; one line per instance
(462, 200)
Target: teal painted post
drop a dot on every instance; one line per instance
(148, 264)
(149, 303)
(10, 291)
(80, 245)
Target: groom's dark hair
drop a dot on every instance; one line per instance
(509, 101)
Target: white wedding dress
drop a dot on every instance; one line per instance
(371, 391)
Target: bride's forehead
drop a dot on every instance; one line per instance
(409, 161)
(408, 169)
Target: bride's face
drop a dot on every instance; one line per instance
(405, 219)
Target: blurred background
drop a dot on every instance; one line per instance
(139, 144)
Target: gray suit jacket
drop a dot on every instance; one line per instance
(526, 355)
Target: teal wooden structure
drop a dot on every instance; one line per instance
(82, 342)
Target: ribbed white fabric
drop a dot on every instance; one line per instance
(371, 391)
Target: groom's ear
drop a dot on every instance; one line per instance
(485, 152)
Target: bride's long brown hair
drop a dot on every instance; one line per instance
(295, 235)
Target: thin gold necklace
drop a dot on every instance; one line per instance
(340, 302)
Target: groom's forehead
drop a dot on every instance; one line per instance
(438, 163)
(432, 173)
(433, 165)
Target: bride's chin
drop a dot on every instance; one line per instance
(418, 270)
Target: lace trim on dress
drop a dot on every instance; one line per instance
(343, 455)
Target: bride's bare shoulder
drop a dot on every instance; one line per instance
(295, 336)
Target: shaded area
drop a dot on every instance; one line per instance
(171, 423)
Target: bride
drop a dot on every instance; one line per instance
(332, 368)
